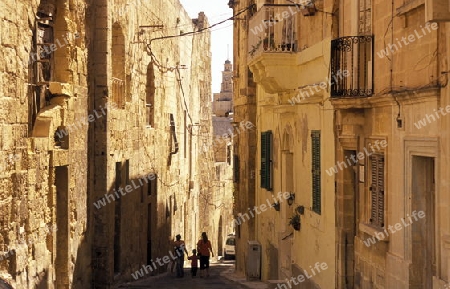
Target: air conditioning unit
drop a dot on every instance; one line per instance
(437, 10)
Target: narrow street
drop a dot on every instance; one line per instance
(214, 281)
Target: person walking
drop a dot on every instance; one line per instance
(204, 247)
(194, 263)
(180, 249)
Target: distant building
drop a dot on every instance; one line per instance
(223, 116)
(221, 219)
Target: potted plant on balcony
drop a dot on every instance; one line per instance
(268, 44)
(295, 222)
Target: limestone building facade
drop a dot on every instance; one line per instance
(351, 106)
(244, 109)
(44, 177)
(223, 134)
(388, 112)
(294, 139)
(105, 142)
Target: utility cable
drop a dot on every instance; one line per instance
(200, 30)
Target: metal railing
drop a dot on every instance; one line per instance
(118, 92)
(352, 66)
(273, 29)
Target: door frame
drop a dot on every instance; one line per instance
(422, 147)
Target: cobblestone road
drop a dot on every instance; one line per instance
(214, 281)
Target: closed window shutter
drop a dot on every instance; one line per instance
(377, 190)
(266, 160)
(316, 183)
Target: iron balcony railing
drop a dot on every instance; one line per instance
(352, 66)
(273, 29)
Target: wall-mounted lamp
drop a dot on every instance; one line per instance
(300, 210)
(291, 199)
(276, 206)
(308, 9)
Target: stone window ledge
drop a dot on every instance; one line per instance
(372, 231)
(407, 7)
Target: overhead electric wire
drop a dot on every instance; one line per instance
(200, 30)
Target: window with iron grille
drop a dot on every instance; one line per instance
(315, 170)
(365, 17)
(377, 190)
(266, 160)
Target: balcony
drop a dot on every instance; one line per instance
(352, 66)
(272, 44)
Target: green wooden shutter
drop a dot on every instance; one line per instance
(316, 181)
(377, 190)
(266, 160)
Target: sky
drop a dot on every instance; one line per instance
(221, 35)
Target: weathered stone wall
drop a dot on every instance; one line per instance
(159, 128)
(43, 177)
(93, 88)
